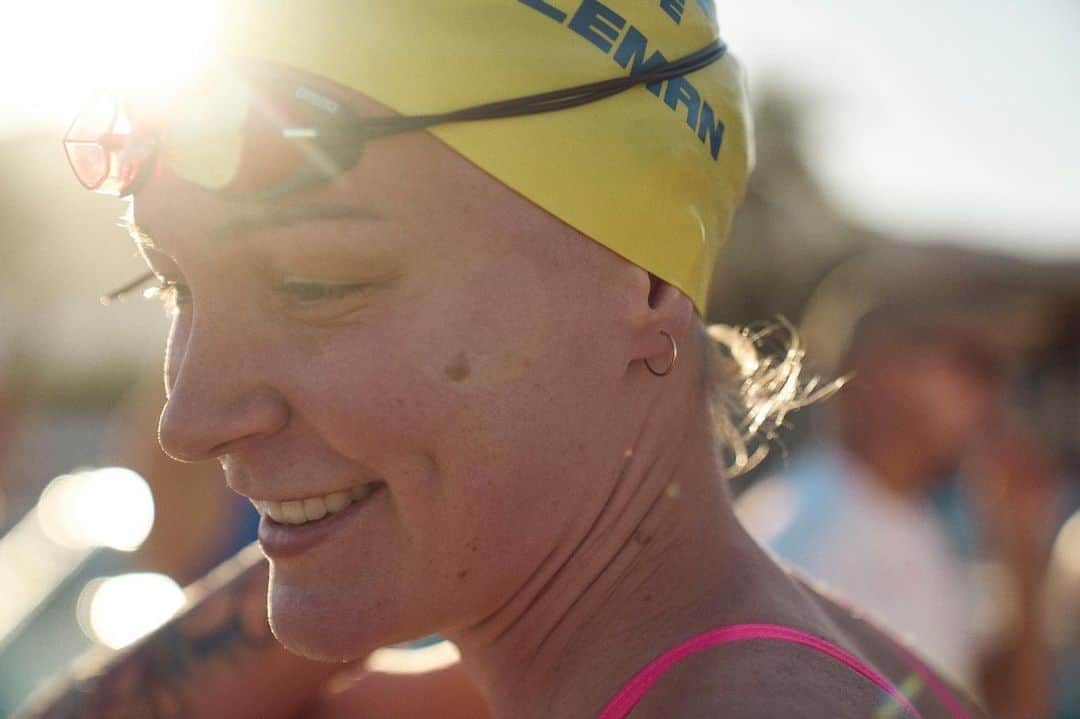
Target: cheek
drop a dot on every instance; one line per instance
(365, 399)
(495, 327)
(435, 377)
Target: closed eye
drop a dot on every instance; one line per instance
(302, 292)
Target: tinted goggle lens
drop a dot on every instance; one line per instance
(92, 143)
(222, 135)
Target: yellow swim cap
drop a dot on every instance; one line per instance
(654, 173)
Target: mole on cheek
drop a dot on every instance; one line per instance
(458, 370)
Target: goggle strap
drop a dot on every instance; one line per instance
(552, 101)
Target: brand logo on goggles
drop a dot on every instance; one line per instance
(320, 101)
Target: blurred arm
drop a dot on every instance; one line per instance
(1017, 484)
(215, 659)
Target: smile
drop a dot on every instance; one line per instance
(313, 509)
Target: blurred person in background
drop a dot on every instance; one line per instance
(519, 412)
(1014, 483)
(855, 512)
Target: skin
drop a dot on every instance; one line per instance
(548, 504)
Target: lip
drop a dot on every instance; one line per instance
(282, 541)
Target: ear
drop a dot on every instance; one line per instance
(665, 309)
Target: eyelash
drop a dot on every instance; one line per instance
(299, 291)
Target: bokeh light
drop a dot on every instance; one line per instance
(118, 611)
(401, 660)
(1067, 548)
(110, 507)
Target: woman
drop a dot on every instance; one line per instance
(463, 373)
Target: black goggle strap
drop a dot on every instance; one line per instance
(337, 145)
(347, 138)
(553, 101)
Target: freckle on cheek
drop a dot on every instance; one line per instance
(458, 370)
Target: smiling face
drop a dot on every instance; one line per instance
(415, 329)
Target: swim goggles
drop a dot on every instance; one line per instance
(261, 137)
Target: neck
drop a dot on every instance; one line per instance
(655, 565)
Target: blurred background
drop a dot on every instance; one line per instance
(915, 212)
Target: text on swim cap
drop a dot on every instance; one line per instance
(603, 27)
(674, 9)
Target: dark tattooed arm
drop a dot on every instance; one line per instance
(216, 659)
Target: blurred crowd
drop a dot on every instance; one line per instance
(938, 491)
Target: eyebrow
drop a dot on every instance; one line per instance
(286, 215)
(267, 217)
(281, 216)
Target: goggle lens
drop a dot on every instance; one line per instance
(102, 148)
(224, 134)
(84, 141)
(90, 163)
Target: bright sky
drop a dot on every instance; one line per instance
(952, 117)
(956, 116)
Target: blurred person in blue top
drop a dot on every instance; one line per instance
(856, 510)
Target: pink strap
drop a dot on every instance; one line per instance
(629, 696)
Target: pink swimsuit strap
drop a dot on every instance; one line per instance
(631, 694)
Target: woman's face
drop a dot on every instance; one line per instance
(414, 326)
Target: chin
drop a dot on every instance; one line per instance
(318, 629)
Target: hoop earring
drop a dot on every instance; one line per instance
(674, 357)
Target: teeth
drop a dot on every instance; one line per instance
(337, 501)
(312, 509)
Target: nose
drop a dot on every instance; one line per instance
(216, 377)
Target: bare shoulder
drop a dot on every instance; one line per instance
(759, 679)
(748, 680)
(931, 691)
